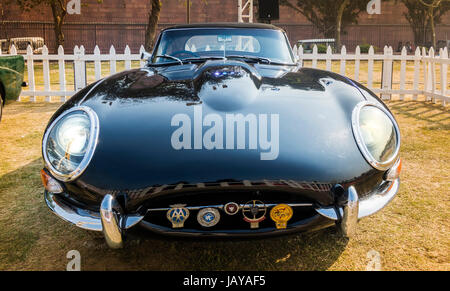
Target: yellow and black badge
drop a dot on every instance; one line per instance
(281, 213)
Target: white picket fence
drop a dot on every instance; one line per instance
(427, 80)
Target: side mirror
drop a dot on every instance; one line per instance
(146, 56)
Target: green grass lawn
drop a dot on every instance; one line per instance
(411, 233)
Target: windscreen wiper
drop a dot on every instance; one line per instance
(203, 59)
(170, 57)
(259, 60)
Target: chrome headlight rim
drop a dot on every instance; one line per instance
(92, 144)
(379, 165)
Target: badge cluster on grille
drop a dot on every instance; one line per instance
(253, 212)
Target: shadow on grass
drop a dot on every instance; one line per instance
(29, 107)
(440, 117)
(33, 238)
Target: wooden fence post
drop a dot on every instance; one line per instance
(13, 50)
(425, 72)
(329, 58)
(112, 60)
(357, 62)
(444, 68)
(46, 71)
(30, 69)
(432, 73)
(343, 55)
(62, 72)
(315, 56)
(141, 62)
(370, 68)
(97, 64)
(386, 82)
(417, 58)
(300, 55)
(127, 54)
(79, 68)
(403, 72)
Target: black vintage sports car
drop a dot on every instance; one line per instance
(222, 133)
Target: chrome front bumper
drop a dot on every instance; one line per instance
(368, 206)
(113, 222)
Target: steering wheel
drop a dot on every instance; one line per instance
(179, 54)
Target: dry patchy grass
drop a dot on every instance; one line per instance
(411, 233)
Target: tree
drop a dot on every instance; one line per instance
(153, 18)
(422, 16)
(433, 8)
(59, 11)
(330, 19)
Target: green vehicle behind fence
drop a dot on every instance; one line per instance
(11, 78)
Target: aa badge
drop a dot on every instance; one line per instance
(177, 215)
(208, 217)
(254, 212)
(281, 213)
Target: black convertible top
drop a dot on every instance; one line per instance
(225, 25)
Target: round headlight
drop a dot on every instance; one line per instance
(376, 134)
(69, 143)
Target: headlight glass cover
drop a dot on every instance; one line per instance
(377, 134)
(69, 143)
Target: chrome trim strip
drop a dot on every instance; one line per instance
(129, 221)
(221, 206)
(382, 166)
(80, 217)
(329, 212)
(93, 139)
(367, 206)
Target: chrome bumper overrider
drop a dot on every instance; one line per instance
(356, 209)
(112, 222)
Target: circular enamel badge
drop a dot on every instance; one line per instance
(208, 217)
(231, 208)
(281, 214)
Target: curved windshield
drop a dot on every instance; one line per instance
(201, 43)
